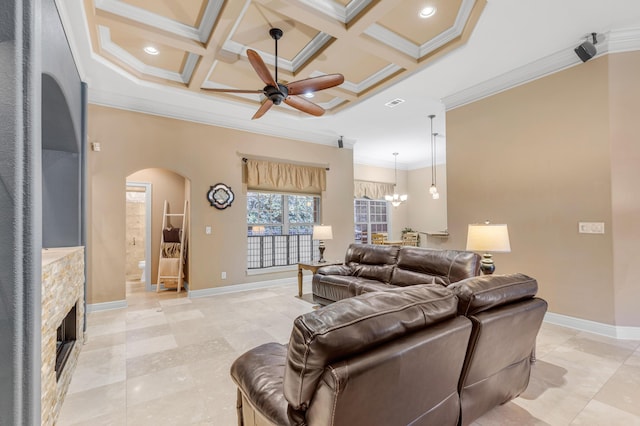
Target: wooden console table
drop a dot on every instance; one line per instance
(313, 267)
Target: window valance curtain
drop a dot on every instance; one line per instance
(371, 190)
(285, 177)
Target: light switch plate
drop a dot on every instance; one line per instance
(207, 230)
(591, 227)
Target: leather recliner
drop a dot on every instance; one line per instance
(506, 318)
(424, 354)
(383, 358)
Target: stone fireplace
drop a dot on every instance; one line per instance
(62, 324)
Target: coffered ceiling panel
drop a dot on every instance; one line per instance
(203, 43)
(404, 20)
(188, 12)
(171, 60)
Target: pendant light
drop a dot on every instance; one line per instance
(433, 189)
(396, 199)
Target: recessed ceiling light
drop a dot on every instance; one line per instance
(428, 12)
(309, 95)
(151, 50)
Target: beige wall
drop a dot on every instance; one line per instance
(624, 91)
(204, 155)
(426, 214)
(169, 186)
(544, 156)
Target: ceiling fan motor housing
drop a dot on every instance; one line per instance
(276, 95)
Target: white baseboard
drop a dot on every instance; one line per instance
(616, 332)
(245, 287)
(106, 306)
(154, 287)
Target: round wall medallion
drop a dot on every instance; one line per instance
(220, 196)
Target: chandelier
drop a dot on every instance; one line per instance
(433, 189)
(396, 199)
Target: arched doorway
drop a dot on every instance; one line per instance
(144, 223)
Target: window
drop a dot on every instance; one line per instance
(370, 216)
(279, 229)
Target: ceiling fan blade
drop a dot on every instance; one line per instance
(261, 69)
(266, 105)
(304, 105)
(231, 90)
(314, 84)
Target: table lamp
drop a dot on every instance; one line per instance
(322, 232)
(488, 237)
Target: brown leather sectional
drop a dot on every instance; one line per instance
(417, 355)
(372, 267)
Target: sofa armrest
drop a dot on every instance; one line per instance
(259, 375)
(334, 270)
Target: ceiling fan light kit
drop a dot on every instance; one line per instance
(275, 93)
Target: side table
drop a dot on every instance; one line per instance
(313, 267)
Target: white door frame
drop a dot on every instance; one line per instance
(147, 236)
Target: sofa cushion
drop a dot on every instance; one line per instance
(403, 278)
(366, 286)
(372, 261)
(478, 294)
(371, 254)
(381, 273)
(437, 266)
(355, 325)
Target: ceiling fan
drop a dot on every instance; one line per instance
(275, 92)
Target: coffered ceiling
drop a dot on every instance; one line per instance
(203, 43)
(389, 56)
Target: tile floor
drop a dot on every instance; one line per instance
(164, 360)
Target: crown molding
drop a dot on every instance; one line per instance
(237, 121)
(615, 42)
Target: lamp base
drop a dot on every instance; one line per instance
(321, 248)
(486, 264)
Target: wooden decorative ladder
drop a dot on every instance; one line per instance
(163, 261)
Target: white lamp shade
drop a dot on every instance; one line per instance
(488, 238)
(322, 232)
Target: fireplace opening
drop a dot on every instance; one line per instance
(65, 340)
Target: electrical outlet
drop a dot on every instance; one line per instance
(207, 230)
(223, 275)
(591, 227)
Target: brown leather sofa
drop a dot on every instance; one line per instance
(418, 355)
(373, 267)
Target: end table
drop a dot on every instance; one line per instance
(313, 267)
